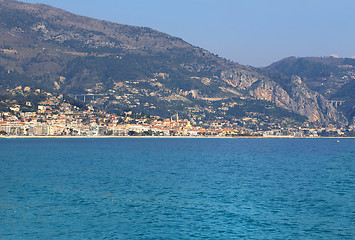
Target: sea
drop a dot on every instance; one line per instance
(176, 188)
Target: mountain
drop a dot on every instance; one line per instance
(332, 77)
(121, 67)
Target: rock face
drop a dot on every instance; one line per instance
(333, 78)
(239, 78)
(272, 92)
(312, 104)
(45, 47)
(302, 100)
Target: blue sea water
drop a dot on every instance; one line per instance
(177, 189)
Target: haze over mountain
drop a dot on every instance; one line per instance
(141, 69)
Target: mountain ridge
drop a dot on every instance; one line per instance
(332, 77)
(59, 51)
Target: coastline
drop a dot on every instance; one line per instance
(168, 137)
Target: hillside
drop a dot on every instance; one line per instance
(332, 77)
(121, 67)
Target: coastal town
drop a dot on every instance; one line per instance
(38, 113)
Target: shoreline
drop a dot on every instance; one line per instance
(169, 137)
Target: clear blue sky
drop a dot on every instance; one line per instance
(250, 32)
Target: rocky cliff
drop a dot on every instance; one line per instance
(332, 77)
(301, 100)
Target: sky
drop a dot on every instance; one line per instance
(249, 32)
